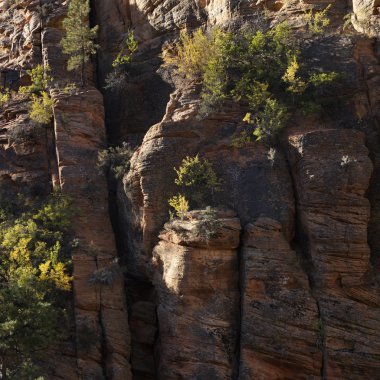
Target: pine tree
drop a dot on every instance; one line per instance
(79, 40)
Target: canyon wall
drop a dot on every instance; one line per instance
(288, 286)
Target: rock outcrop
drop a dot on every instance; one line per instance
(64, 157)
(287, 286)
(365, 16)
(279, 327)
(334, 217)
(197, 280)
(332, 171)
(100, 308)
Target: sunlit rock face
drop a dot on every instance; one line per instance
(288, 287)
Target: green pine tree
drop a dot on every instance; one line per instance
(79, 40)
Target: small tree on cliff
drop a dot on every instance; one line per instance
(79, 40)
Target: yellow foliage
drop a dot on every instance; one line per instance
(193, 53)
(34, 270)
(42, 108)
(55, 273)
(31, 247)
(318, 21)
(5, 97)
(247, 117)
(40, 79)
(129, 48)
(296, 84)
(20, 252)
(180, 205)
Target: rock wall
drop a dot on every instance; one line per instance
(279, 337)
(198, 299)
(64, 155)
(101, 308)
(364, 16)
(79, 134)
(289, 286)
(305, 259)
(333, 216)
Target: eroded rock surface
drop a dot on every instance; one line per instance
(332, 171)
(40, 158)
(296, 294)
(79, 133)
(198, 298)
(279, 337)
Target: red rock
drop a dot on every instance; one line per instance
(197, 303)
(279, 313)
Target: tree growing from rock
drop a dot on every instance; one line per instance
(198, 182)
(79, 42)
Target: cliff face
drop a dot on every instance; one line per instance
(64, 155)
(288, 286)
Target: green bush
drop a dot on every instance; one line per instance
(192, 52)
(5, 97)
(318, 21)
(117, 79)
(40, 79)
(41, 111)
(261, 69)
(34, 273)
(115, 160)
(269, 120)
(128, 49)
(41, 108)
(198, 180)
(180, 205)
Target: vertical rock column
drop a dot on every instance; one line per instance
(198, 299)
(279, 315)
(332, 171)
(101, 318)
(100, 307)
(367, 104)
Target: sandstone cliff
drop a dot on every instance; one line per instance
(288, 285)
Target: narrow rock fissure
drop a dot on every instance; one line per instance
(156, 341)
(96, 78)
(372, 143)
(49, 137)
(321, 341)
(129, 16)
(236, 364)
(52, 161)
(93, 22)
(103, 336)
(374, 151)
(301, 247)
